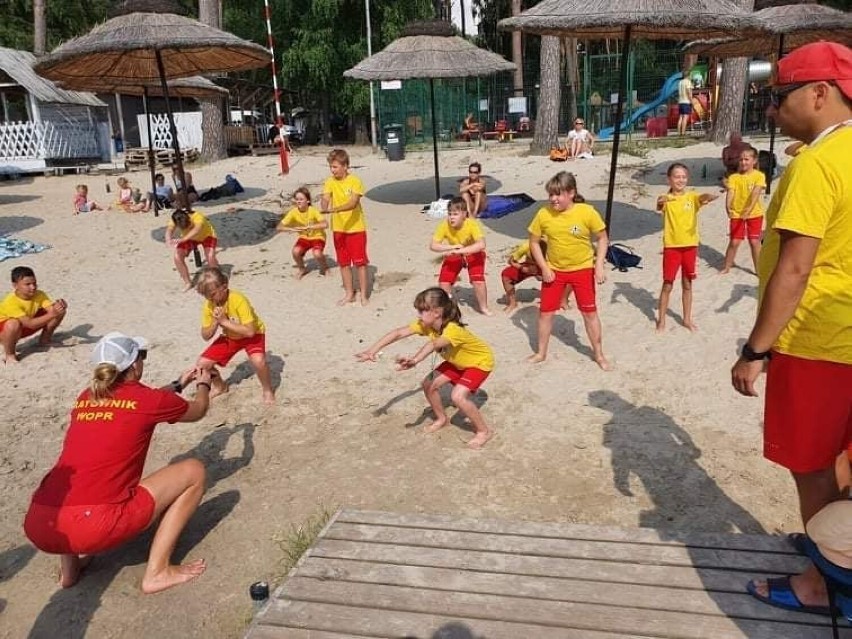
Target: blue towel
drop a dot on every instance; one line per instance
(12, 247)
(500, 205)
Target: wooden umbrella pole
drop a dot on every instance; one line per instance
(151, 166)
(435, 139)
(772, 127)
(616, 138)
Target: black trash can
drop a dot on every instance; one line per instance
(394, 144)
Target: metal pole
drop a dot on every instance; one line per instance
(151, 166)
(616, 138)
(435, 140)
(772, 129)
(282, 149)
(372, 97)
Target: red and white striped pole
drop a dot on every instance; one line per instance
(285, 164)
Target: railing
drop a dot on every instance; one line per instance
(47, 140)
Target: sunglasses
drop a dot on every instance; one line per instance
(579, 122)
(777, 96)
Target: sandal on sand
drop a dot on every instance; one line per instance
(781, 595)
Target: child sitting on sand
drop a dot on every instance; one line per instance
(128, 199)
(468, 359)
(305, 220)
(241, 330)
(82, 203)
(27, 311)
(193, 229)
(460, 240)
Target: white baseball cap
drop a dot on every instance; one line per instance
(118, 349)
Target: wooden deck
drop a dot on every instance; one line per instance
(377, 574)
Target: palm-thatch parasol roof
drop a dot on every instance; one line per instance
(650, 19)
(799, 24)
(192, 87)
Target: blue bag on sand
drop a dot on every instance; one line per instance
(622, 257)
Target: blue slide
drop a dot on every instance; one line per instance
(668, 90)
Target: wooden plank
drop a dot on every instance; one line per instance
(668, 555)
(277, 632)
(768, 543)
(368, 622)
(739, 604)
(615, 619)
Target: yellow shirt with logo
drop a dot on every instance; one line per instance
(13, 307)
(814, 198)
(569, 235)
(466, 350)
(295, 217)
(340, 192)
(741, 186)
(469, 233)
(680, 220)
(196, 218)
(238, 309)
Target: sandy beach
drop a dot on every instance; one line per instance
(662, 441)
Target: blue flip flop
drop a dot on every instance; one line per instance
(781, 595)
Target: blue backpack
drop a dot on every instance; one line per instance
(622, 257)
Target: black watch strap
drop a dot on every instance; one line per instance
(751, 355)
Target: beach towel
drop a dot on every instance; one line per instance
(438, 209)
(12, 247)
(500, 205)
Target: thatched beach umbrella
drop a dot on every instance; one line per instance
(429, 50)
(626, 19)
(148, 41)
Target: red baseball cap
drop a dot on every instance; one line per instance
(818, 61)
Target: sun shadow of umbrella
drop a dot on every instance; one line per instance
(422, 191)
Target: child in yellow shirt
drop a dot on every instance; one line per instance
(305, 220)
(27, 311)
(744, 204)
(193, 229)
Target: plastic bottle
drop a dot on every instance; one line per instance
(106, 184)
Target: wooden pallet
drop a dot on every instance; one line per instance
(379, 574)
(137, 157)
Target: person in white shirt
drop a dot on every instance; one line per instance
(684, 103)
(580, 140)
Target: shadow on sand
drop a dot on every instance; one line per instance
(17, 223)
(422, 191)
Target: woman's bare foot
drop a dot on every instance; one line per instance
(435, 426)
(71, 567)
(480, 439)
(536, 358)
(486, 311)
(268, 397)
(172, 576)
(603, 362)
(346, 299)
(692, 326)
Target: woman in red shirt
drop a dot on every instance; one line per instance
(95, 499)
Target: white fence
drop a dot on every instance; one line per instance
(48, 140)
(188, 127)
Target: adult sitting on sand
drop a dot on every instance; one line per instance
(472, 190)
(94, 499)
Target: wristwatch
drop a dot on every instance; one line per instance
(750, 355)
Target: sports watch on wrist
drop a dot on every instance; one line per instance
(751, 355)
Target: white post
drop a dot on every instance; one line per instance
(372, 98)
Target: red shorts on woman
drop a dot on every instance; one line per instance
(26, 332)
(453, 264)
(86, 530)
(224, 348)
(470, 378)
(750, 228)
(351, 248)
(517, 275)
(808, 412)
(208, 242)
(679, 258)
(305, 245)
(582, 282)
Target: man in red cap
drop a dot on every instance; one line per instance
(804, 325)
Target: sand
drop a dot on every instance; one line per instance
(662, 441)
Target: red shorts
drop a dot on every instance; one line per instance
(207, 242)
(26, 332)
(470, 378)
(305, 244)
(453, 264)
(751, 228)
(583, 284)
(224, 348)
(808, 412)
(677, 258)
(515, 275)
(86, 530)
(351, 248)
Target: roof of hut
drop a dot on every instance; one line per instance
(18, 66)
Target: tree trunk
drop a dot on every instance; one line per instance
(39, 28)
(517, 53)
(729, 111)
(208, 12)
(214, 146)
(547, 119)
(573, 73)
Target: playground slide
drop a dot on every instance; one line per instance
(668, 90)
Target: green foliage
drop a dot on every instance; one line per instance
(298, 538)
(65, 19)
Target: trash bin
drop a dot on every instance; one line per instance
(394, 144)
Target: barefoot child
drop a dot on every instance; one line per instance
(521, 266)
(82, 203)
(305, 220)
(679, 209)
(570, 226)
(193, 229)
(27, 311)
(241, 329)
(126, 201)
(744, 204)
(462, 244)
(468, 360)
(341, 198)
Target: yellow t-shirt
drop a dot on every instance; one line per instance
(295, 217)
(680, 220)
(13, 306)
(238, 309)
(522, 253)
(340, 192)
(741, 185)
(197, 218)
(466, 350)
(814, 198)
(569, 235)
(469, 233)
